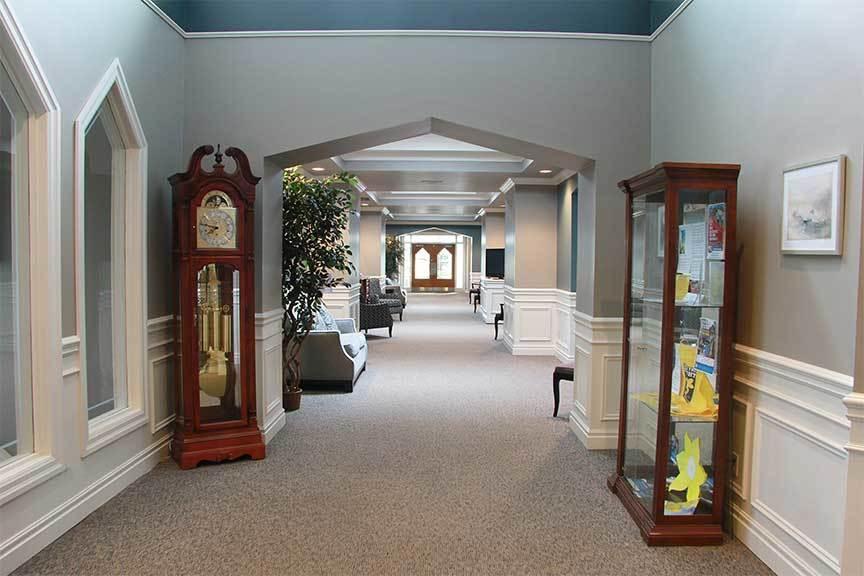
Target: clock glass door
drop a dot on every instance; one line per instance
(218, 326)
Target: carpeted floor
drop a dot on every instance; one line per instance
(445, 460)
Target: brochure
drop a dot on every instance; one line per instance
(716, 218)
(706, 345)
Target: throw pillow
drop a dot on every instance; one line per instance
(325, 321)
(372, 299)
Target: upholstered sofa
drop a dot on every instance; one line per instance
(333, 356)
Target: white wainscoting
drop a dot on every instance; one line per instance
(161, 355)
(491, 298)
(565, 311)
(853, 551)
(344, 302)
(597, 380)
(790, 433)
(268, 371)
(537, 321)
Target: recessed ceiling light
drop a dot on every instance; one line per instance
(317, 169)
(364, 204)
(546, 171)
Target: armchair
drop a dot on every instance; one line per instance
(376, 316)
(333, 358)
(375, 294)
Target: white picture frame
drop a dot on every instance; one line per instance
(813, 202)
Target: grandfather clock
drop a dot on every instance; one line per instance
(214, 261)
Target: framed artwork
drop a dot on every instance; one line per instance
(813, 196)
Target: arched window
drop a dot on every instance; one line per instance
(445, 264)
(421, 264)
(111, 208)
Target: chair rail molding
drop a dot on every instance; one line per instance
(852, 561)
(268, 366)
(596, 379)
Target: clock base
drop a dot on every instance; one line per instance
(191, 448)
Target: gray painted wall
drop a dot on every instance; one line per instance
(75, 53)
(509, 240)
(787, 90)
(565, 233)
(585, 97)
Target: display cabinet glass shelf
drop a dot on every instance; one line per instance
(679, 315)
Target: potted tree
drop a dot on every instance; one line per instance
(315, 214)
(394, 252)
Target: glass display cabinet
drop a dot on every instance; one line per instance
(214, 260)
(679, 318)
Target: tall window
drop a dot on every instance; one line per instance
(422, 264)
(103, 269)
(445, 264)
(16, 411)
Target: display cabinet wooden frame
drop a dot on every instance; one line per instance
(215, 265)
(679, 319)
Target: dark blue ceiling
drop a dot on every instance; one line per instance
(638, 17)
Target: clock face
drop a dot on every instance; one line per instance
(217, 227)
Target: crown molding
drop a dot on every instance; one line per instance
(417, 33)
(165, 18)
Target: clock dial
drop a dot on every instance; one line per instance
(216, 228)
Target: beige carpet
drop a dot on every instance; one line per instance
(445, 460)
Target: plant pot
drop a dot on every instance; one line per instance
(291, 400)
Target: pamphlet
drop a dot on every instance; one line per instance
(691, 250)
(716, 219)
(706, 345)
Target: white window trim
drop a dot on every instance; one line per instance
(46, 372)
(107, 428)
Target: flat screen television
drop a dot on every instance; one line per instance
(495, 263)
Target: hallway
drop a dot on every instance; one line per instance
(444, 460)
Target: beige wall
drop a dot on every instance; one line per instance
(493, 230)
(371, 244)
(786, 90)
(492, 235)
(534, 237)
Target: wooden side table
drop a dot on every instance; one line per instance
(560, 373)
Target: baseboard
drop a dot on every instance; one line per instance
(529, 350)
(273, 427)
(563, 356)
(25, 544)
(592, 441)
(770, 550)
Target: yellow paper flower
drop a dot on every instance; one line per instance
(691, 474)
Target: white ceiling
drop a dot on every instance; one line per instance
(435, 178)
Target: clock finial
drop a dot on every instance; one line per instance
(219, 154)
